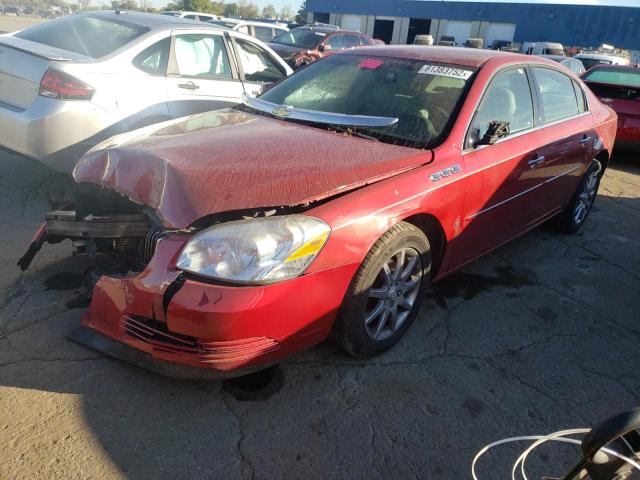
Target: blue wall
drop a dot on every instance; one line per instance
(571, 25)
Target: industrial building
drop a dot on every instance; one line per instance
(571, 23)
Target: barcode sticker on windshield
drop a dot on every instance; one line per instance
(442, 71)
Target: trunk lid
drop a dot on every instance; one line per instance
(234, 160)
(22, 64)
(625, 100)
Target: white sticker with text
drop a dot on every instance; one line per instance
(442, 71)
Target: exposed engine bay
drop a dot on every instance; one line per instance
(102, 222)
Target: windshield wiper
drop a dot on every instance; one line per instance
(329, 118)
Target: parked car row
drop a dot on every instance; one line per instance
(322, 206)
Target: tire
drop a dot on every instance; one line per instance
(369, 291)
(573, 216)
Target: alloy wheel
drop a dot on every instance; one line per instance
(586, 197)
(393, 294)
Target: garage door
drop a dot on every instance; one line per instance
(351, 22)
(460, 30)
(499, 31)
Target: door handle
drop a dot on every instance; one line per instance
(535, 162)
(188, 86)
(585, 139)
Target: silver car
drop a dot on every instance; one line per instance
(68, 84)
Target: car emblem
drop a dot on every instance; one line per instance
(282, 111)
(445, 173)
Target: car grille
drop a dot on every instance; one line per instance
(222, 354)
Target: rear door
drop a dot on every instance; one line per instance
(258, 68)
(201, 74)
(504, 190)
(567, 133)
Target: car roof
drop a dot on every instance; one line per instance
(257, 23)
(149, 20)
(470, 57)
(557, 58)
(327, 30)
(622, 68)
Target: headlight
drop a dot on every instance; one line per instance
(262, 250)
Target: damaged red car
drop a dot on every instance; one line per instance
(232, 239)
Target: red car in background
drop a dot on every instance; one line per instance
(301, 46)
(326, 206)
(619, 88)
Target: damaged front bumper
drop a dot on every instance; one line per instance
(170, 317)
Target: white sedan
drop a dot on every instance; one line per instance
(68, 84)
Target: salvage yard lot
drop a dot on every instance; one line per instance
(539, 336)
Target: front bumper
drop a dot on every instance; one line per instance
(219, 327)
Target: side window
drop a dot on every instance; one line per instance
(582, 101)
(244, 29)
(202, 56)
(336, 42)
(556, 93)
(204, 18)
(257, 64)
(507, 99)
(153, 60)
(191, 17)
(263, 33)
(351, 41)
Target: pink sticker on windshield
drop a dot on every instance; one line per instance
(371, 64)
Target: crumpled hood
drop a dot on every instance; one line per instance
(285, 51)
(233, 160)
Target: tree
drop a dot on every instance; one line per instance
(269, 12)
(231, 10)
(301, 16)
(286, 13)
(190, 5)
(217, 8)
(248, 9)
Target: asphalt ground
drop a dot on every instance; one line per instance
(539, 336)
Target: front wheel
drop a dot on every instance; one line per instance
(385, 295)
(575, 213)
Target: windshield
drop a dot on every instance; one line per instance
(592, 62)
(554, 51)
(422, 95)
(303, 38)
(624, 78)
(94, 37)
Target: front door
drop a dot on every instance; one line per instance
(201, 75)
(503, 195)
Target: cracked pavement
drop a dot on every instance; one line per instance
(541, 335)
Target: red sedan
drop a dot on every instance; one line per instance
(326, 206)
(619, 87)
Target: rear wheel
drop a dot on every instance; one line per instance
(575, 213)
(385, 294)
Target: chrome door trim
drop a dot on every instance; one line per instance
(523, 192)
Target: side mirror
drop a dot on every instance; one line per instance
(495, 131)
(325, 47)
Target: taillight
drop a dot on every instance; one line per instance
(55, 84)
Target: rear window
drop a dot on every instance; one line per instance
(94, 37)
(614, 77)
